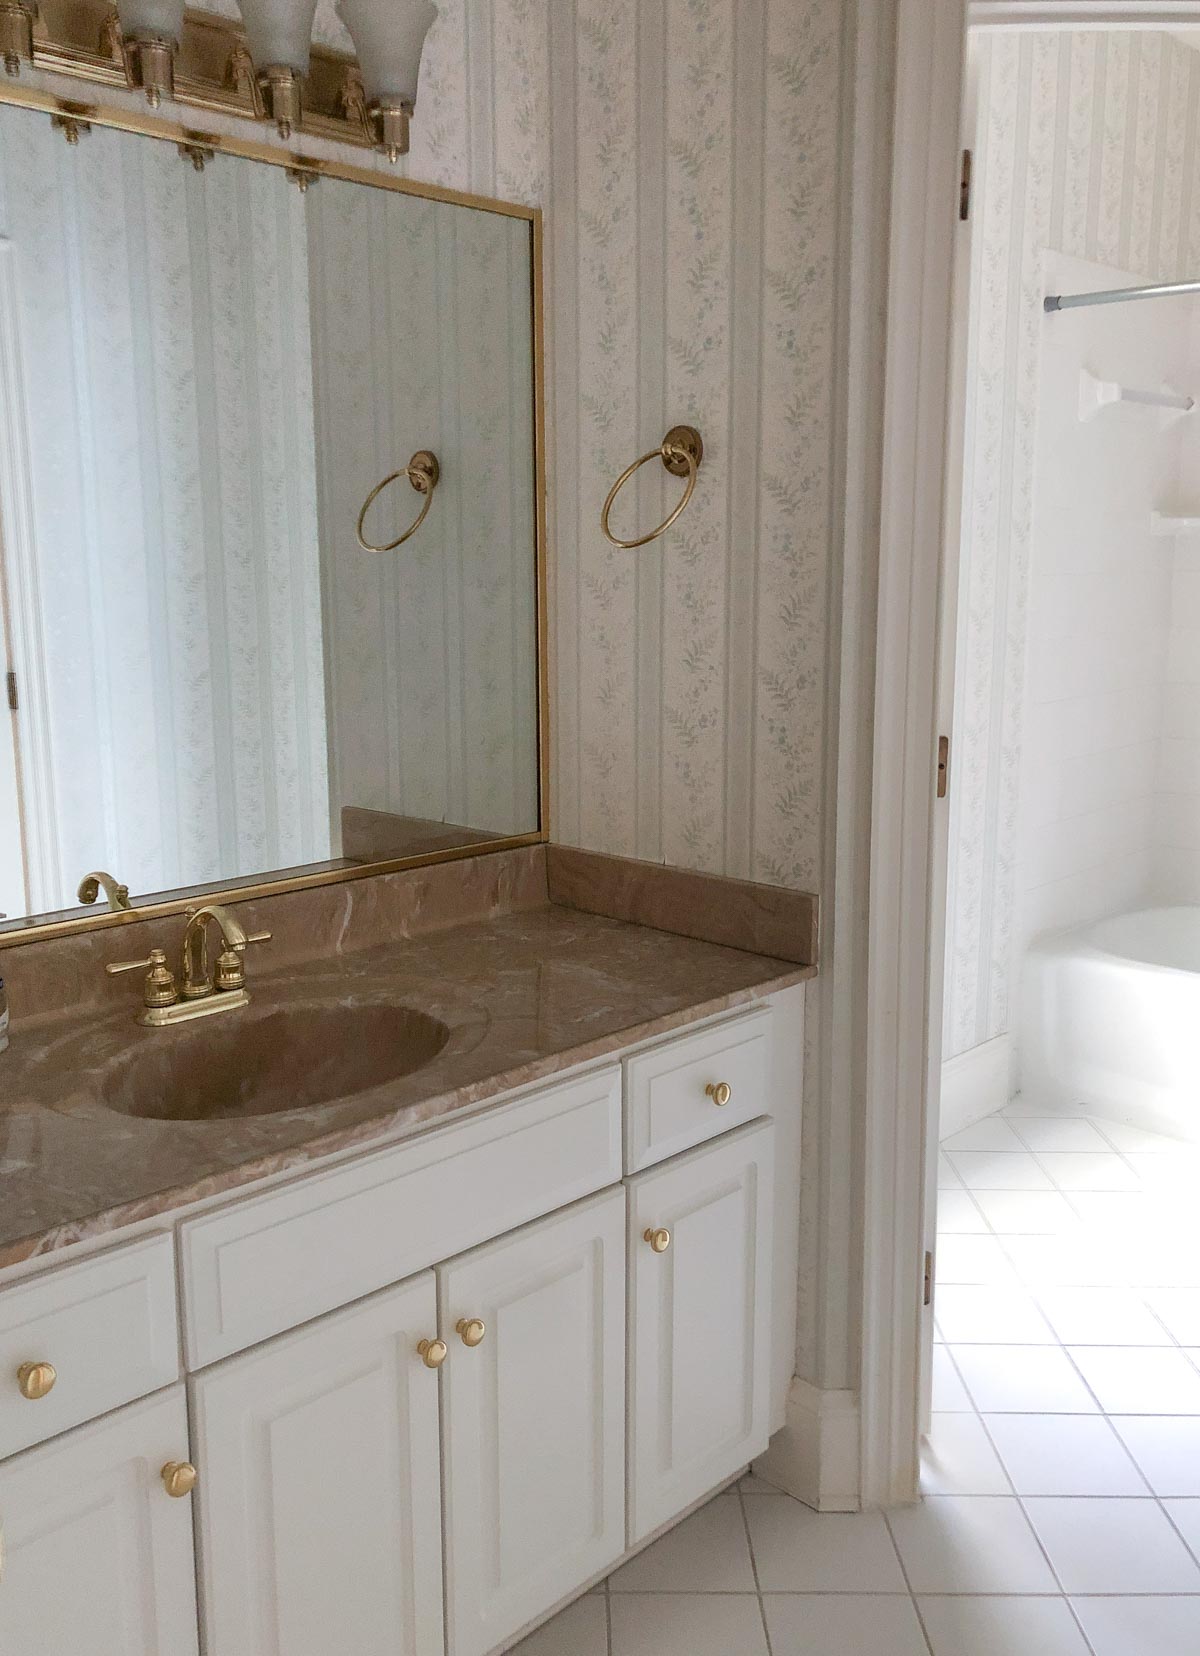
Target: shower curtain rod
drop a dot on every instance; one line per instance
(1117, 296)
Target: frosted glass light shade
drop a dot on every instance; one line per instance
(163, 18)
(389, 37)
(279, 31)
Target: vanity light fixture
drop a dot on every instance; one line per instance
(151, 31)
(389, 38)
(279, 33)
(17, 18)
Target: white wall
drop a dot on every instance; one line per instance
(1176, 872)
(1088, 145)
(1099, 608)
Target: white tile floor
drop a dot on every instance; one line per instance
(1062, 1475)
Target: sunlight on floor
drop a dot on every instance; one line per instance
(1062, 1475)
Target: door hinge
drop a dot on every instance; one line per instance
(943, 767)
(10, 680)
(964, 186)
(928, 1300)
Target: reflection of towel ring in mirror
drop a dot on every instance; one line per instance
(682, 453)
(424, 473)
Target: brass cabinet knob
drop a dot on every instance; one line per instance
(179, 1479)
(659, 1240)
(720, 1092)
(36, 1380)
(433, 1353)
(471, 1331)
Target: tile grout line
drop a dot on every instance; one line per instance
(912, 1597)
(1031, 1526)
(1031, 1293)
(1137, 1290)
(762, 1609)
(1056, 1338)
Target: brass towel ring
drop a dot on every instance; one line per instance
(682, 453)
(424, 473)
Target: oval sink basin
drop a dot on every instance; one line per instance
(247, 1064)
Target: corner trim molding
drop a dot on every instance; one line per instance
(815, 1456)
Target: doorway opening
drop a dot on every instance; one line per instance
(1064, 1424)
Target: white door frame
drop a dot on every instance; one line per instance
(921, 478)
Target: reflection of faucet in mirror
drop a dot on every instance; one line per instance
(117, 895)
(202, 994)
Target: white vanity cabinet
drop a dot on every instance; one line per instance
(533, 1420)
(435, 1389)
(319, 1490)
(97, 1556)
(699, 1323)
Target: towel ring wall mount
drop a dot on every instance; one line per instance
(424, 472)
(682, 453)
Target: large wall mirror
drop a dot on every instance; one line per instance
(206, 371)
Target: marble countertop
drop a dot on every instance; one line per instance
(524, 998)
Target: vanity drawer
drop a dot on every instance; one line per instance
(670, 1109)
(263, 1266)
(107, 1329)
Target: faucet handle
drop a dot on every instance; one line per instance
(231, 965)
(160, 989)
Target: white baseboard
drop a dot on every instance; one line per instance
(974, 1085)
(816, 1455)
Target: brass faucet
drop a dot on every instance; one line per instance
(204, 993)
(118, 895)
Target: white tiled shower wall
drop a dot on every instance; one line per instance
(1087, 146)
(1176, 872)
(1105, 731)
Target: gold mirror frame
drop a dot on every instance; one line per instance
(15, 933)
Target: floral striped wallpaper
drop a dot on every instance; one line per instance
(1088, 144)
(686, 152)
(694, 204)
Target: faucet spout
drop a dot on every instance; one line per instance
(92, 884)
(197, 979)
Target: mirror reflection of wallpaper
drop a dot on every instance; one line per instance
(202, 376)
(422, 330)
(166, 602)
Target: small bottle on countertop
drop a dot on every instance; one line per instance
(3, 1016)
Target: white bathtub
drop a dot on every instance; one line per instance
(1110, 1018)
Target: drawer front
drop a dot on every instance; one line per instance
(267, 1265)
(105, 1326)
(670, 1107)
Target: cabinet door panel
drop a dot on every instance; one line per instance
(700, 1355)
(534, 1420)
(98, 1557)
(320, 1510)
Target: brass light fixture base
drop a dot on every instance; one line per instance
(284, 98)
(150, 64)
(16, 35)
(393, 121)
(210, 69)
